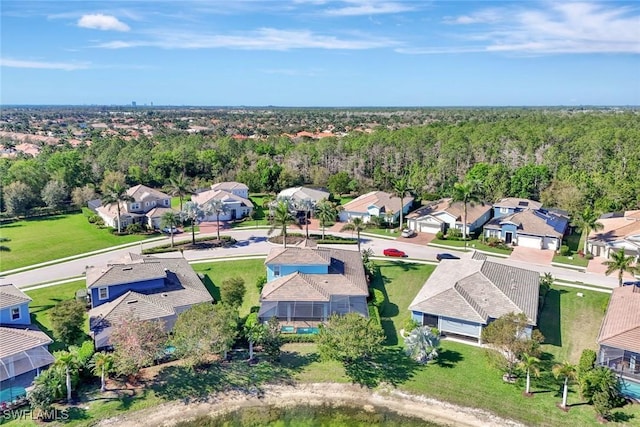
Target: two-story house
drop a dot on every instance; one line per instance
(236, 188)
(305, 285)
(620, 231)
(148, 288)
(445, 214)
(146, 207)
(236, 205)
(23, 347)
(379, 204)
(525, 223)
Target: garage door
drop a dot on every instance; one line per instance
(530, 242)
(550, 243)
(429, 228)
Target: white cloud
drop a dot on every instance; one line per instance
(99, 21)
(368, 7)
(20, 63)
(261, 39)
(567, 28)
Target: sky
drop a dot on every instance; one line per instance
(320, 53)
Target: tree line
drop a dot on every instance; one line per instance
(564, 160)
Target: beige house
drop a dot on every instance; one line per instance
(621, 232)
(376, 204)
(147, 207)
(445, 214)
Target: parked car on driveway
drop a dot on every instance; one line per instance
(408, 233)
(394, 252)
(443, 255)
(169, 230)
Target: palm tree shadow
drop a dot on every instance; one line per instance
(448, 358)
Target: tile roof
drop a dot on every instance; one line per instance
(380, 199)
(479, 290)
(517, 203)
(15, 340)
(621, 324)
(11, 296)
(304, 193)
(229, 185)
(617, 227)
(532, 222)
(159, 211)
(225, 196)
(141, 193)
(346, 277)
(298, 256)
(455, 209)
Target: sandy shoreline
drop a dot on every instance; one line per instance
(170, 413)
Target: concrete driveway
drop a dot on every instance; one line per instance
(532, 255)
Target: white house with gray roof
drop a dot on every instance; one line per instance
(462, 297)
(146, 207)
(147, 287)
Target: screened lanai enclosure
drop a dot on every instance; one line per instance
(18, 370)
(312, 311)
(623, 362)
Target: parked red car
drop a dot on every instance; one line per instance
(394, 252)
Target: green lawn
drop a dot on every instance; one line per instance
(249, 270)
(471, 244)
(571, 323)
(575, 242)
(44, 299)
(45, 239)
(383, 232)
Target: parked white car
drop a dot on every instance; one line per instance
(407, 233)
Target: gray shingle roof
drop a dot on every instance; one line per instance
(11, 296)
(298, 256)
(479, 290)
(124, 273)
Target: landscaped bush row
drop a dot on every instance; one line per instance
(177, 246)
(337, 242)
(298, 338)
(37, 212)
(374, 314)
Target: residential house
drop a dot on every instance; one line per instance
(462, 297)
(621, 230)
(525, 223)
(23, 347)
(296, 195)
(306, 284)
(619, 337)
(236, 188)
(237, 207)
(445, 214)
(147, 287)
(379, 204)
(147, 207)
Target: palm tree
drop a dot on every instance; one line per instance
(217, 207)
(422, 344)
(68, 361)
(171, 220)
(193, 212)
(568, 372)
(587, 221)
(281, 219)
(357, 225)
(467, 193)
(400, 189)
(530, 364)
(255, 334)
(326, 213)
(102, 363)
(622, 264)
(305, 205)
(180, 187)
(117, 193)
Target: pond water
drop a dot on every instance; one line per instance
(308, 416)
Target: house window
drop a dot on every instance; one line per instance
(103, 293)
(135, 206)
(504, 210)
(15, 313)
(165, 202)
(276, 270)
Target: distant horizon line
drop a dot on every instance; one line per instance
(322, 107)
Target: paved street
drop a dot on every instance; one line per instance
(254, 242)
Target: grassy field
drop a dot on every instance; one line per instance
(39, 240)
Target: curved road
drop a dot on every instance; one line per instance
(254, 242)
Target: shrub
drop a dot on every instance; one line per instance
(374, 314)
(378, 299)
(134, 228)
(589, 256)
(67, 320)
(454, 234)
(440, 235)
(260, 282)
(296, 338)
(564, 250)
(410, 325)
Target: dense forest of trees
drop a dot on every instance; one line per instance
(565, 159)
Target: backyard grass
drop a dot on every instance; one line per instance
(44, 239)
(471, 244)
(44, 299)
(575, 242)
(571, 323)
(249, 270)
